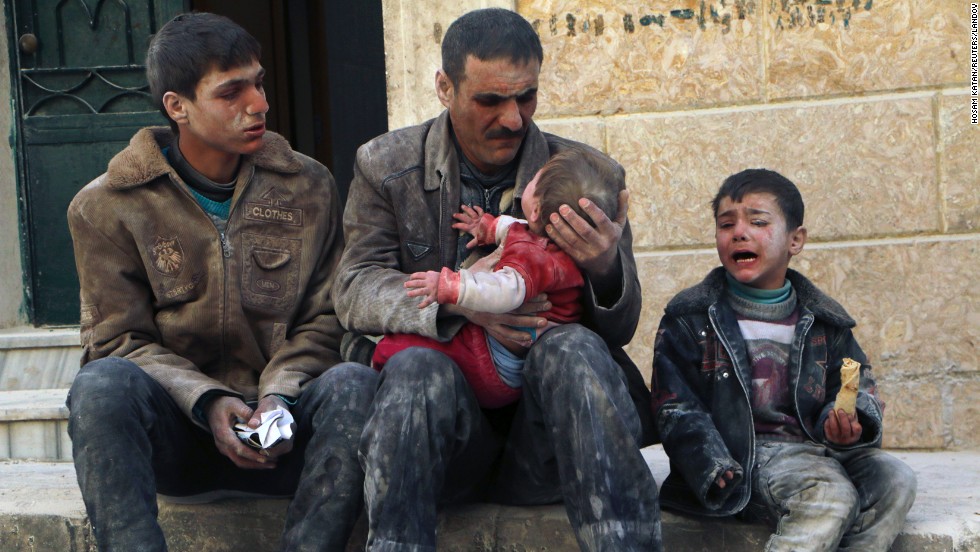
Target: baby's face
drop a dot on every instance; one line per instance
(532, 206)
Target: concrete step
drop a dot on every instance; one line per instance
(41, 511)
(34, 425)
(37, 365)
(38, 358)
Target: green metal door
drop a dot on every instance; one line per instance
(80, 93)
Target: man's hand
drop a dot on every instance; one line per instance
(223, 413)
(502, 326)
(593, 249)
(424, 285)
(842, 428)
(469, 221)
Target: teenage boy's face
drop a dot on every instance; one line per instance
(227, 115)
(753, 242)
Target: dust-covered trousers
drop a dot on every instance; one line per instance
(130, 441)
(819, 499)
(572, 436)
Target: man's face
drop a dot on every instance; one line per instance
(491, 109)
(753, 242)
(227, 116)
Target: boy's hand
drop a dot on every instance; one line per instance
(469, 221)
(593, 249)
(424, 285)
(842, 428)
(222, 414)
(269, 403)
(724, 479)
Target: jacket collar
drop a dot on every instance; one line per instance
(711, 290)
(143, 161)
(441, 161)
(440, 154)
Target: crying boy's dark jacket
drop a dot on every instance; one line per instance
(702, 378)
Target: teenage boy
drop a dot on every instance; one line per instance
(747, 366)
(206, 256)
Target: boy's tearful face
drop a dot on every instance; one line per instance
(753, 242)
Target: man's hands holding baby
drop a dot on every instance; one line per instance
(593, 249)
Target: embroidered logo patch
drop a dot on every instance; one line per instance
(271, 209)
(168, 256)
(183, 288)
(268, 285)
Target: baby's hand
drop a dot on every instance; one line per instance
(724, 479)
(424, 285)
(842, 428)
(469, 222)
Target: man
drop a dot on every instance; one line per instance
(573, 435)
(206, 257)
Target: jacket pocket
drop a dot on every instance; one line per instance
(270, 276)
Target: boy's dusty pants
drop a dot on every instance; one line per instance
(130, 440)
(817, 497)
(573, 436)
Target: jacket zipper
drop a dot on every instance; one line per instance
(443, 212)
(226, 253)
(486, 200)
(748, 402)
(225, 249)
(808, 323)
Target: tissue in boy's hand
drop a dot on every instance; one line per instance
(275, 426)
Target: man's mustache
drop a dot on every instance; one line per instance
(504, 133)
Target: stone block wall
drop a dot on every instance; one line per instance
(864, 104)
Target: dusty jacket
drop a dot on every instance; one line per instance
(398, 221)
(701, 382)
(248, 312)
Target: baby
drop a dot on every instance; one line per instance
(530, 264)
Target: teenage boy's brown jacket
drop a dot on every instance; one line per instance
(399, 220)
(248, 312)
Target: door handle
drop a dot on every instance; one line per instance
(28, 43)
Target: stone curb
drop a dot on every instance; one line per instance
(41, 511)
